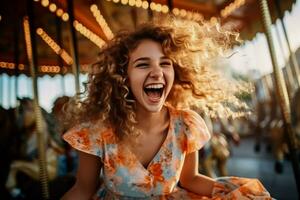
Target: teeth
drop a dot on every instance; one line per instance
(155, 86)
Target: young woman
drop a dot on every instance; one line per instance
(132, 128)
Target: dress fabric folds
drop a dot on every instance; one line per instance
(124, 177)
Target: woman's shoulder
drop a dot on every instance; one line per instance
(193, 128)
(88, 131)
(90, 137)
(185, 114)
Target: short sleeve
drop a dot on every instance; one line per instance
(197, 133)
(86, 138)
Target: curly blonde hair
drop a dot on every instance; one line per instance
(191, 46)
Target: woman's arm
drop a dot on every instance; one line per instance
(87, 178)
(191, 180)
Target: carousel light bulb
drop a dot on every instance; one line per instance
(21, 67)
(138, 3)
(39, 31)
(93, 8)
(131, 2)
(65, 17)
(52, 7)
(165, 9)
(116, 1)
(158, 7)
(213, 20)
(152, 6)
(182, 12)
(45, 3)
(59, 12)
(189, 15)
(145, 5)
(175, 11)
(124, 2)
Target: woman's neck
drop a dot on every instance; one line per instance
(148, 120)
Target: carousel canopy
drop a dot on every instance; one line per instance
(96, 21)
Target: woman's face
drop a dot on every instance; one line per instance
(150, 74)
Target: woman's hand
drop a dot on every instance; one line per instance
(191, 180)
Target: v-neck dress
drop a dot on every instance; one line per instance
(124, 177)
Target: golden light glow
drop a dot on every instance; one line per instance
(10, 65)
(45, 3)
(54, 46)
(43, 68)
(50, 69)
(101, 21)
(138, 3)
(213, 20)
(52, 7)
(131, 2)
(157, 7)
(59, 12)
(231, 8)
(175, 11)
(182, 12)
(152, 6)
(145, 5)
(27, 38)
(124, 2)
(65, 17)
(187, 14)
(88, 34)
(165, 9)
(83, 30)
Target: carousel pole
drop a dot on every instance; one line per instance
(29, 31)
(281, 91)
(74, 49)
(293, 59)
(16, 55)
(170, 5)
(289, 76)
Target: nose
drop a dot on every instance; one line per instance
(156, 71)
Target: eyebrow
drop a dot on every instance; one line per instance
(141, 59)
(147, 59)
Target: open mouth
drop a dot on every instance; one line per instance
(154, 91)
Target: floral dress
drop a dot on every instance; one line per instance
(124, 177)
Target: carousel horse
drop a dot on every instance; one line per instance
(8, 144)
(277, 131)
(214, 155)
(27, 162)
(58, 112)
(295, 116)
(271, 126)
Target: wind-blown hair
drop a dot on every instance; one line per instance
(191, 46)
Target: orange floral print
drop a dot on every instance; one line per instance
(124, 177)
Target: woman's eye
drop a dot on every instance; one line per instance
(165, 64)
(141, 65)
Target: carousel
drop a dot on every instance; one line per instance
(60, 37)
